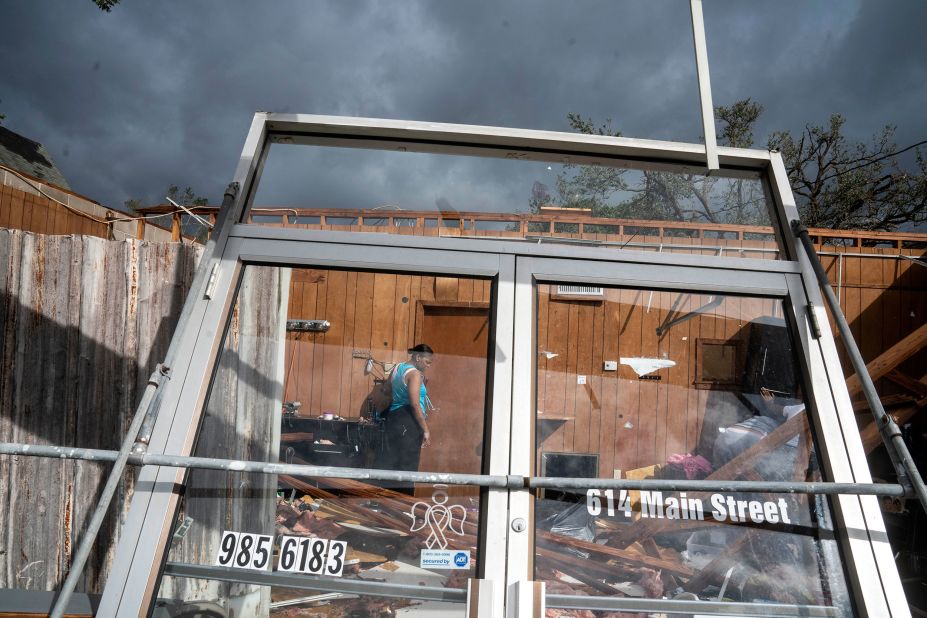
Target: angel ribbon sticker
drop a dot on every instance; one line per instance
(438, 517)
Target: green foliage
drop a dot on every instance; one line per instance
(738, 120)
(106, 5)
(186, 197)
(190, 226)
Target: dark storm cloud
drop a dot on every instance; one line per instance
(162, 93)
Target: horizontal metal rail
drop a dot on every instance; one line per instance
(310, 582)
(774, 487)
(663, 606)
(478, 480)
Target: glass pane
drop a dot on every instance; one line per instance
(555, 198)
(302, 378)
(641, 384)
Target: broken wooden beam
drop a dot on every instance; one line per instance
(556, 541)
(890, 358)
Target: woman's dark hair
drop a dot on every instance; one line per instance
(421, 348)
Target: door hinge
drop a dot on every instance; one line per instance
(211, 284)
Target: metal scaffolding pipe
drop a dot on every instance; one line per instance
(477, 480)
(676, 606)
(891, 434)
(774, 487)
(321, 584)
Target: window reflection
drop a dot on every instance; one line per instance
(331, 368)
(561, 200)
(640, 384)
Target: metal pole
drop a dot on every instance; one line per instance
(891, 434)
(704, 85)
(478, 480)
(200, 280)
(112, 483)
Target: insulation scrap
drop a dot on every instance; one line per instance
(650, 581)
(694, 466)
(309, 525)
(287, 514)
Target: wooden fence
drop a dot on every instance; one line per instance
(30, 205)
(21, 210)
(84, 322)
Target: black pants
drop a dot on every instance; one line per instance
(402, 448)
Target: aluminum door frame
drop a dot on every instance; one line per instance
(144, 541)
(872, 576)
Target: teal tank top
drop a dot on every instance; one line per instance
(401, 390)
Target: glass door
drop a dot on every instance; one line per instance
(364, 358)
(654, 372)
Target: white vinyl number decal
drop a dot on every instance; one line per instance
(594, 502)
(245, 551)
(312, 556)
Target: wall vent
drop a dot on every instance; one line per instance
(580, 291)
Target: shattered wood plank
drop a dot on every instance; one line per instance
(861, 406)
(655, 562)
(571, 565)
(401, 503)
(890, 359)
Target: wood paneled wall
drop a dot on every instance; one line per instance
(20, 210)
(883, 297)
(629, 422)
(370, 313)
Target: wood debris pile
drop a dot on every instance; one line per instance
(382, 546)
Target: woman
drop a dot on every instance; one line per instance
(406, 430)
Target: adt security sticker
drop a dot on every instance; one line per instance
(444, 559)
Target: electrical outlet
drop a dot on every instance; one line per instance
(610, 366)
(580, 379)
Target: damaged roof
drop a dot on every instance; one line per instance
(30, 158)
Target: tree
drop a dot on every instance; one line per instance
(837, 184)
(106, 5)
(738, 121)
(655, 195)
(860, 186)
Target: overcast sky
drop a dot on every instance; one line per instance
(161, 93)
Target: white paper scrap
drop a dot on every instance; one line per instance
(643, 366)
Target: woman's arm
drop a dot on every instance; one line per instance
(415, 385)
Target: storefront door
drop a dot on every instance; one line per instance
(643, 371)
(610, 367)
